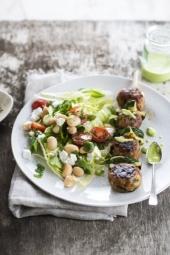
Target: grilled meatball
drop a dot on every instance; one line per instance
(131, 94)
(124, 177)
(128, 148)
(124, 121)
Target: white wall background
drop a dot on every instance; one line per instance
(85, 9)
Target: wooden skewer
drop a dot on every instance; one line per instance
(136, 78)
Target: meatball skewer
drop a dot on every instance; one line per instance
(125, 176)
(133, 93)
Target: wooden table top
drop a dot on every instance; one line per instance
(80, 47)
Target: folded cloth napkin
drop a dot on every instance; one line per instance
(25, 199)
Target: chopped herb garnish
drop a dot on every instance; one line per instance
(39, 171)
(88, 146)
(80, 128)
(33, 144)
(64, 107)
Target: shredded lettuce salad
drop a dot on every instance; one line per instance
(79, 118)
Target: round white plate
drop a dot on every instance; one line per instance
(99, 193)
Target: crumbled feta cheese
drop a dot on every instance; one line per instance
(60, 121)
(111, 165)
(36, 114)
(26, 154)
(68, 159)
(72, 159)
(96, 153)
(55, 103)
(41, 136)
(110, 130)
(63, 156)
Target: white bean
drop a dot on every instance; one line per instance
(69, 181)
(78, 171)
(47, 120)
(31, 133)
(73, 121)
(60, 115)
(107, 125)
(72, 130)
(82, 151)
(56, 129)
(69, 148)
(44, 112)
(67, 170)
(27, 125)
(51, 143)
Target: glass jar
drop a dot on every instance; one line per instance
(156, 54)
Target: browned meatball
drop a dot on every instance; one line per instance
(127, 148)
(124, 177)
(124, 121)
(131, 94)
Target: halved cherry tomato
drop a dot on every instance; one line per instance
(38, 126)
(39, 103)
(99, 134)
(80, 138)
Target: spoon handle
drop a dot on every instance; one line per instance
(153, 197)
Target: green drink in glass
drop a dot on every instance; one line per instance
(156, 55)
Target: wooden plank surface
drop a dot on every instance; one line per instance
(104, 47)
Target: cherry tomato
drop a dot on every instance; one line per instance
(80, 138)
(38, 126)
(99, 134)
(39, 103)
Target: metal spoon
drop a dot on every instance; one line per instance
(154, 156)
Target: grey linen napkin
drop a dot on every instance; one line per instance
(25, 199)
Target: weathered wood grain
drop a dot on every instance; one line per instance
(81, 47)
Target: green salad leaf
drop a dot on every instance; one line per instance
(129, 132)
(93, 93)
(124, 159)
(86, 165)
(64, 107)
(62, 136)
(53, 163)
(131, 105)
(39, 171)
(33, 144)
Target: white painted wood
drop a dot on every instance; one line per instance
(85, 9)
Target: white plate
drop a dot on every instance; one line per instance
(99, 193)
